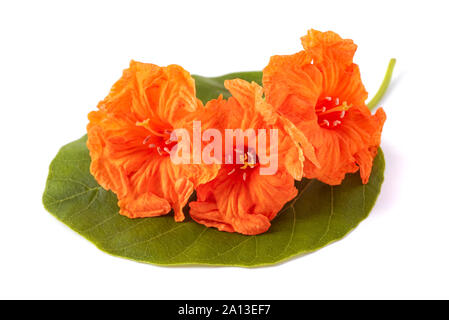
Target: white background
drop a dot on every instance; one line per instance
(59, 58)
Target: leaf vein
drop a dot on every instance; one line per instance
(190, 245)
(70, 218)
(330, 215)
(152, 238)
(73, 196)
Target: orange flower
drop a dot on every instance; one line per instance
(129, 140)
(241, 199)
(321, 92)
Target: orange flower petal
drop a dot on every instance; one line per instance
(240, 199)
(129, 140)
(242, 206)
(320, 91)
(143, 205)
(328, 45)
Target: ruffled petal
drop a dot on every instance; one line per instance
(292, 86)
(245, 106)
(159, 176)
(343, 82)
(365, 131)
(244, 207)
(143, 205)
(364, 159)
(129, 146)
(328, 45)
(296, 85)
(241, 198)
(177, 100)
(107, 174)
(272, 192)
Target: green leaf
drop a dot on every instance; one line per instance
(210, 88)
(321, 214)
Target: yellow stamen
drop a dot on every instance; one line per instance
(246, 164)
(343, 107)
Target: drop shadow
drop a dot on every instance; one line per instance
(394, 173)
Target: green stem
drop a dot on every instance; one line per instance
(384, 86)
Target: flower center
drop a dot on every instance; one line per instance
(158, 140)
(331, 111)
(243, 163)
